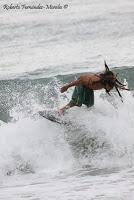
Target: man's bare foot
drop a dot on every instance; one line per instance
(61, 112)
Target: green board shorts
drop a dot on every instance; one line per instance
(82, 95)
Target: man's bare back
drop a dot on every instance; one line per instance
(91, 81)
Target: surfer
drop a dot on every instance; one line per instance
(86, 84)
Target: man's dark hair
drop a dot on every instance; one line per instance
(108, 77)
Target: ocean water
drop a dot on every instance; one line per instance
(91, 158)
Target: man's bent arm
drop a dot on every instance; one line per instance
(74, 83)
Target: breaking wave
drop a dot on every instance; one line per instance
(101, 136)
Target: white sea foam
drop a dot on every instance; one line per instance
(39, 144)
(29, 146)
(52, 155)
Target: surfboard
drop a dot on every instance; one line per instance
(52, 115)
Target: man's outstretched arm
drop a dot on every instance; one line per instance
(74, 83)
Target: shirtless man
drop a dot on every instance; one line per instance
(85, 86)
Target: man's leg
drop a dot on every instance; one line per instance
(75, 101)
(63, 109)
